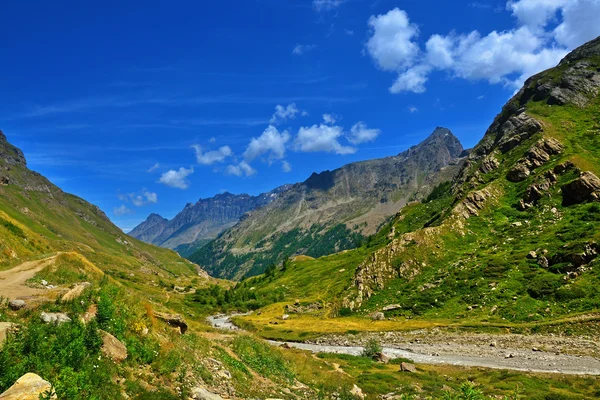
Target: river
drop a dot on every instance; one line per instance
(518, 360)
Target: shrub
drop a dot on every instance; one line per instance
(372, 348)
(543, 286)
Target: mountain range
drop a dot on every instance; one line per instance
(333, 210)
(198, 223)
(475, 261)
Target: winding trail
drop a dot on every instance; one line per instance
(12, 281)
(511, 359)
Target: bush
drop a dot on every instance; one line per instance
(543, 286)
(372, 348)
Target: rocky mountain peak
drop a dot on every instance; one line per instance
(10, 154)
(589, 49)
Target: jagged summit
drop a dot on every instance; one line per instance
(10, 154)
(200, 221)
(332, 210)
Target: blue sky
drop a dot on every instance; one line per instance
(142, 107)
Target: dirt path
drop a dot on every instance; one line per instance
(530, 353)
(12, 281)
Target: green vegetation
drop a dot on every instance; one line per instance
(372, 348)
(313, 243)
(450, 382)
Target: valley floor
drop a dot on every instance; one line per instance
(531, 353)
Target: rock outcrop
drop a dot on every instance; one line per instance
(16, 304)
(200, 393)
(28, 387)
(76, 291)
(539, 154)
(112, 347)
(173, 320)
(5, 328)
(584, 188)
(54, 318)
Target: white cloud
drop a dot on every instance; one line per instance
(139, 199)
(349, 32)
(412, 109)
(359, 133)
(284, 113)
(322, 138)
(391, 43)
(211, 157)
(580, 23)
(326, 5)
(243, 168)
(271, 142)
(177, 179)
(329, 119)
(285, 166)
(535, 13)
(122, 210)
(212, 140)
(545, 31)
(154, 168)
(301, 49)
(411, 80)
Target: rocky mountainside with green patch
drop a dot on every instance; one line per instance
(333, 210)
(198, 223)
(512, 239)
(518, 236)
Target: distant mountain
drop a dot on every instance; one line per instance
(198, 223)
(332, 210)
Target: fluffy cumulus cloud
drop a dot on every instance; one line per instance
(271, 143)
(359, 133)
(212, 157)
(284, 113)
(177, 178)
(392, 43)
(285, 166)
(140, 199)
(241, 169)
(323, 138)
(545, 31)
(122, 210)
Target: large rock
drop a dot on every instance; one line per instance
(28, 387)
(357, 392)
(201, 393)
(392, 307)
(539, 154)
(76, 291)
(16, 304)
(54, 318)
(584, 188)
(173, 320)
(112, 347)
(5, 327)
(408, 367)
(377, 316)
